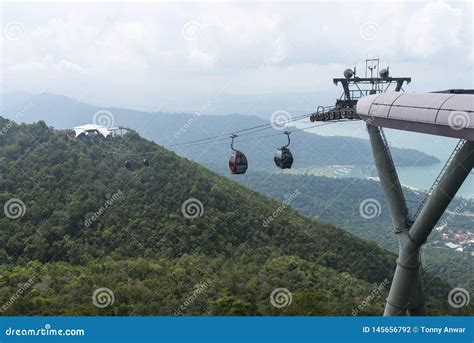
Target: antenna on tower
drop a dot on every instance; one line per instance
(355, 86)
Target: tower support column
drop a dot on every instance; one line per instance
(405, 278)
(399, 213)
(407, 292)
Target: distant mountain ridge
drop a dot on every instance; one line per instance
(177, 128)
(220, 103)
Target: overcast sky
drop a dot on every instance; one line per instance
(125, 53)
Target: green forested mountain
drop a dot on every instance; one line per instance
(337, 201)
(89, 223)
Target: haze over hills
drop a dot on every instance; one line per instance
(220, 103)
(260, 105)
(87, 222)
(177, 128)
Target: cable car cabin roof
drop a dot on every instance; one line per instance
(449, 115)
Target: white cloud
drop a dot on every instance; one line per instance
(252, 47)
(432, 29)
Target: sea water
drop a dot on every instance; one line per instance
(419, 177)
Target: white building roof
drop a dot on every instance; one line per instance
(103, 130)
(451, 245)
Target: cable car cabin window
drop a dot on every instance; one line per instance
(283, 158)
(238, 163)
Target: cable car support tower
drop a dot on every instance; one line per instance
(367, 98)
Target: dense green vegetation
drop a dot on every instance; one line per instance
(141, 247)
(337, 200)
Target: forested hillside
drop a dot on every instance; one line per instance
(85, 222)
(338, 201)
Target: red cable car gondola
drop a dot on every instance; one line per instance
(238, 162)
(283, 157)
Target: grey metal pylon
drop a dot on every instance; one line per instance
(406, 293)
(396, 203)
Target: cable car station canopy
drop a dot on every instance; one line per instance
(450, 115)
